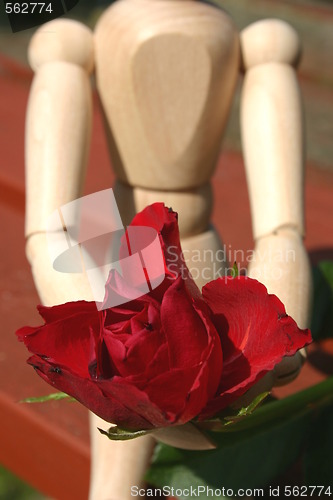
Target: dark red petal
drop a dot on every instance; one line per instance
(186, 334)
(195, 356)
(57, 313)
(207, 381)
(24, 332)
(173, 391)
(67, 337)
(124, 312)
(256, 333)
(183, 392)
(162, 219)
(212, 356)
(158, 364)
(133, 343)
(137, 401)
(165, 221)
(188, 389)
(120, 290)
(134, 357)
(90, 394)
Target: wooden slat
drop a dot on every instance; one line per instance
(55, 462)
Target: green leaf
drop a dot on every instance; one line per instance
(235, 270)
(318, 461)
(248, 410)
(326, 267)
(322, 315)
(310, 399)
(241, 459)
(118, 434)
(57, 396)
(229, 416)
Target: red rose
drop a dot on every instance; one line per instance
(168, 356)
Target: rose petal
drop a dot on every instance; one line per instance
(165, 221)
(89, 393)
(136, 401)
(212, 357)
(57, 313)
(184, 391)
(185, 332)
(161, 218)
(174, 392)
(158, 364)
(66, 338)
(256, 333)
(132, 358)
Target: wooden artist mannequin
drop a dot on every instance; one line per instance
(166, 73)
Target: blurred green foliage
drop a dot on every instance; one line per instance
(255, 451)
(12, 488)
(322, 314)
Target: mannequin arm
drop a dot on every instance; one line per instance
(57, 136)
(273, 142)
